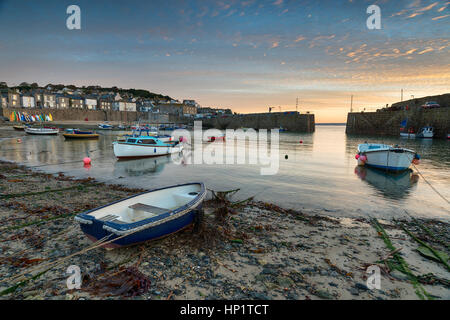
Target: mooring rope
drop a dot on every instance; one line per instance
(434, 189)
(52, 264)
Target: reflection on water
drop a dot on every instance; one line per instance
(140, 167)
(389, 185)
(318, 173)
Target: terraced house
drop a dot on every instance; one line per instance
(49, 100)
(105, 102)
(76, 102)
(13, 100)
(90, 103)
(62, 101)
(38, 99)
(27, 101)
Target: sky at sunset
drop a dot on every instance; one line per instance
(245, 55)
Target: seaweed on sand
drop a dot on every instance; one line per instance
(216, 226)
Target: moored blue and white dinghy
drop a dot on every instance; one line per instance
(145, 146)
(147, 216)
(386, 157)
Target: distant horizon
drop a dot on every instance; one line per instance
(243, 55)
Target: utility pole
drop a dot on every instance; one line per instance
(296, 105)
(351, 104)
(401, 95)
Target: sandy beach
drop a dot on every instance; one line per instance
(252, 250)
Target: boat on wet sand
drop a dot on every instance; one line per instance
(19, 127)
(147, 216)
(145, 146)
(386, 157)
(42, 131)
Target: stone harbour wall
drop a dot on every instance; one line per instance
(389, 122)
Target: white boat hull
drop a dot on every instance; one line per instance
(426, 135)
(408, 135)
(390, 160)
(130, 151)
(41, 131)
(385, 157)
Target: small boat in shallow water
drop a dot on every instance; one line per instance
(77, 134)
(19, 128)
(426, 133)
(409, 135)
(382, 156)
(144, 147)
(147, 216)
(105, 126)
(42, 131)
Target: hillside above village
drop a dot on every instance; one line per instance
(86, 90)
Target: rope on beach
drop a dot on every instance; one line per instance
(102, 242)
(52, 264)
(434, 189)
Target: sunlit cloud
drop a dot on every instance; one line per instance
(431, 6)
(425, 51)
(441, 17)
(415, 14)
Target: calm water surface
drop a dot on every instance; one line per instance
(319, 174)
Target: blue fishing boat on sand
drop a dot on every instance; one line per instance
(147, 216)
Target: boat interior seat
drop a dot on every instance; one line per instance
(140, 211)
(109, 217)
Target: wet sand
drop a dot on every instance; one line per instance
(259, 251)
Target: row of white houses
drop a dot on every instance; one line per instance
(60, 101)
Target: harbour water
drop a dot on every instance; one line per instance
(320, 174)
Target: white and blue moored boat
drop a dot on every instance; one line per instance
(386, 157)
(145, 146)
(105, 126)
(147, 216)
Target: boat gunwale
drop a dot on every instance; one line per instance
(81, 135)
(148, 222)
(170, 144)
(385, 148)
